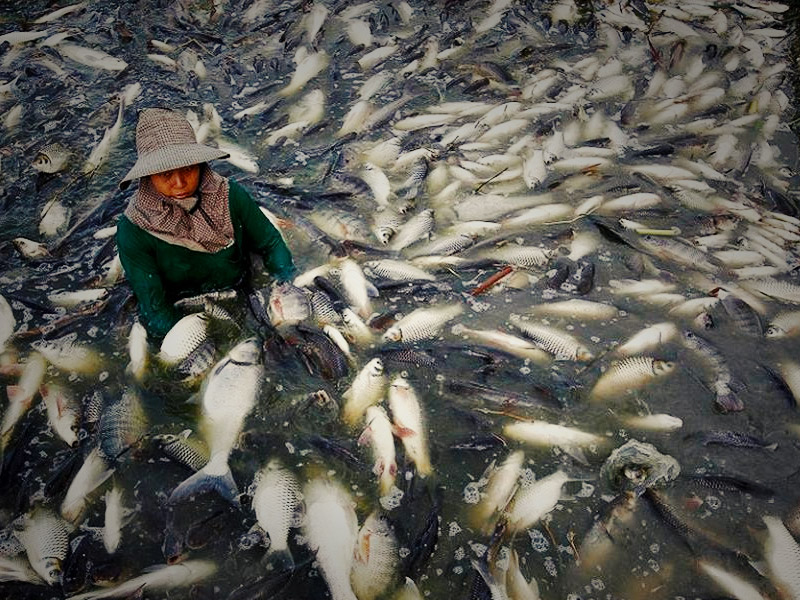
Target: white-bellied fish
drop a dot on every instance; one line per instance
(184, 337)
(409, 424)
(533, 500)
(230, 394)
(500, 484)
(376, 558)
(367, 389)
(630, 373)
(558, 343)
(648, 339)
(94, 471)
(506, 342)
(378, 433)
(46, 541)
(112, 526)
(63, 412)
(422, 324)
(276, 502)
(67, 354)
(20, 396)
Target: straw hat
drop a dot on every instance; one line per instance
(166, 141)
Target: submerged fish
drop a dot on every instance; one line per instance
(276, 500)
(409, 424)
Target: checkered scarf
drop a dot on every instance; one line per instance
(202, 224)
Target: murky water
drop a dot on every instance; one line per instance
(249, 63)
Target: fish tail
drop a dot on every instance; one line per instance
(208, 479)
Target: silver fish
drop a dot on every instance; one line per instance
(46, 541)
(288, 305)
(558, 343)
(376, 558)
(276, 500)
(422, 324)
(52, 158)
(629, 374)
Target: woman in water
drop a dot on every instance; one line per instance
(187, 230)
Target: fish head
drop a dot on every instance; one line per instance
(52, 571)
(247, 352)
(704, 320)
(376, 367)
(663, 367)
(393, 334)
(400, 383)
(773, 331)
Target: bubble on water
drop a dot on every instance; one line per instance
(92, 332)
(458, 570)
(713, 502)
(454, 529)
(550, 566)
(403, 552)
(478, 549)
(290, 447)
(103, 376)
(440, 377)
(278, 387)
(538, 541)
(472, 492)
(74, 376)
(409, 475)
(300, 539)
(392, 499)
(587, 489)
(503, 558)
(524, 370)
(654, 548)
(595, 339)
(460, 553)
(573, 597)
(654, 566)
(598, 584)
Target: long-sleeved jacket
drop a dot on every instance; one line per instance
(160, 273)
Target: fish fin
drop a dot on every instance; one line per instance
(365, 436)
(402, 432)
(60, 406)
(204, 481)
(372, 291)
(13, 392)
(379, 467)
(576, 454)
(772, 446)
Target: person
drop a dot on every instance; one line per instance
(187, 230)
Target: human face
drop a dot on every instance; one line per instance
(177, 183)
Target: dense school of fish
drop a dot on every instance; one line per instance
(544, 337)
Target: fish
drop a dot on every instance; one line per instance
(743, 315)
(46, 541)
(67, 354)
(416, 228)
(20, 396)
(541, 433)
(91, 57)
(137, 350)
(30, 249)
(355, 328)
(422, 324)
(230, 394)
(184, 337)
(378, 433)
(71, 299)
(7, 323)
(51, 158)
(367, 389)
(558, 343)
(309, 65)
(726, 399)
(533, 500)
(63, 413)
(576, 309)
(276, 502)
(398, 270)
(408, 591)
(783, 291)
(517, 586)
(409, 424)
(101, 151)
(506, 342)
(122, 424)
(355, 286)
(288, 305)
(520, 256)
(500, 481)
(731, 583)
(735, 439)
(655, 422)
(375, 559)
(179, 448)
(627, 374)
(93, 472)
(782, 555)
(648, 339)
(54, 218)
(112, 528)
(331, 531)
(158, 577)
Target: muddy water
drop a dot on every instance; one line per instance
(247, 63)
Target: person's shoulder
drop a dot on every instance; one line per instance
(129, 232)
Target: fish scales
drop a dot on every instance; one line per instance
(560, 344)
(628, 374)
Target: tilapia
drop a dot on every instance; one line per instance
(63, 412)
(409, 424)
(67, 354)
(122, 424)
(288, 305)
(112, 528)
(94, 471)
(501, 482)
(52, 158)
(21, 396)
(230, 394)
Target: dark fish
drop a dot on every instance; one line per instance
(333, 293)
(336, 450)
(743, 315)
(199, 360)
(558, 274)
(728, 483)
(583, 277)
(781, 384)
(404, 357)
(87, 564)
(319, 354)
(479, 443)
(178, 449)
(735, 439)
(544, 398)
(423, 543)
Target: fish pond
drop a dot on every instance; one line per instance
(607, 191)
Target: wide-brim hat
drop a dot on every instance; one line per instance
(164, 141)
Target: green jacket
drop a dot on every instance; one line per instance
(160, 273)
